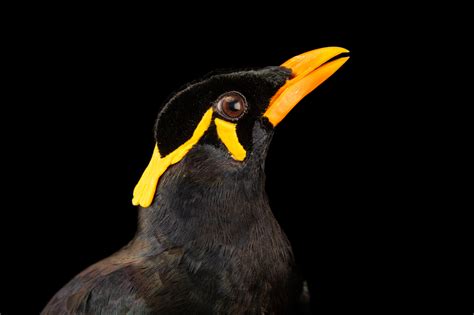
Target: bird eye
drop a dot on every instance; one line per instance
(231, 105)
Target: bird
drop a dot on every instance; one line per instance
(207, 241)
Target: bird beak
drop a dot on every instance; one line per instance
(309, 70)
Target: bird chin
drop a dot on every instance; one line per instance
(262, 136)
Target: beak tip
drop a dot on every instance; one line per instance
(344, 59)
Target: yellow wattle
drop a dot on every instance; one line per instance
(227, 132)
(144, 191)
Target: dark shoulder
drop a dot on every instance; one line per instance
(122, 283)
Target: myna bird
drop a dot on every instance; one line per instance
(207, 241)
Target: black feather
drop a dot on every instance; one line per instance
(209, 243)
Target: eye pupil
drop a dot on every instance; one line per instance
(232, 105)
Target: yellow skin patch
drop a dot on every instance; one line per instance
(144, 191)
(227, 132)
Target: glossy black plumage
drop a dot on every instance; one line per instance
(209, 243)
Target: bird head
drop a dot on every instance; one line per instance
(233, 114)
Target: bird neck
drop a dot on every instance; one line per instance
(205, 199)
(211, 215)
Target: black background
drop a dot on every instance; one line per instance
(86, 91)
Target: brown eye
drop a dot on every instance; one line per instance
(232, 105)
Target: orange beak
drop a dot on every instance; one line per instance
(309, 71)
